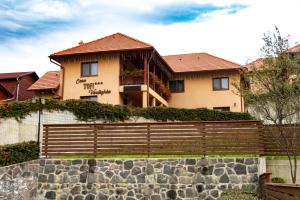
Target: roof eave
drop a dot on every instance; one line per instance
(214, 70)
(55, 56)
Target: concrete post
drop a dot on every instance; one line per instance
(144, 99)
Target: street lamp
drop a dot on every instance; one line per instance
(41, 101)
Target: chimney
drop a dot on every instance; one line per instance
(80, 42)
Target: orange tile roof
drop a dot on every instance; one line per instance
(50, 80)
(294, 49)
(196, 62)
(114, 42)
(255, 64)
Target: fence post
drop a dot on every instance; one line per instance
(148, 140)
(203, 142)
(261, 139)
(95, 139)
(46, 141)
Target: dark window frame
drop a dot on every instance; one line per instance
(176, 85)
(222, 108)
(83, 98)
(220, 78)
(90, 69)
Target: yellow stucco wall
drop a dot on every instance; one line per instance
(108, 76)
(199, 92)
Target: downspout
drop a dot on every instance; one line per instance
(18, 79)
(148, 68)
(63, 76)
(18, 84)
(18, 88)
(242, 99)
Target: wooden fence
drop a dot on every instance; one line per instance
(276, 191)
(277, 143)
(161, 138)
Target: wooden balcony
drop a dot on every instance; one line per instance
(130, 80)
(158, 86)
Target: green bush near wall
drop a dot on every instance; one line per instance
(19, 152)
(198, 114)
(91, 111)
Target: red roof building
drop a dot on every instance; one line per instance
(13, 86)
(47, 85)
(122, 70)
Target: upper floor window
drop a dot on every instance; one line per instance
(221, 83)
(176, 86)
(89, 98)
(89, 69)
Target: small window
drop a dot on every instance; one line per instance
(89, 98)
(176, 86)
(221, 83)
(222, 108)
(89, 69)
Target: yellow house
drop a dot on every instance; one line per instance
(121, 70)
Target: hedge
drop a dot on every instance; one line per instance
(19, 152)
(91, 111)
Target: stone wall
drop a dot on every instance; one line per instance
(19, 181)
(126, 179)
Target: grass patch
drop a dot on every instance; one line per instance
(239, 194)
(153, 156)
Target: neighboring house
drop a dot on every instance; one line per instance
(295, 49)
(257, 64)
(47, 85)
(13, 86)
(121, 70)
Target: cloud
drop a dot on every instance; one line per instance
(231, 29)
(187, 12)
(32, 18)
(19, 19)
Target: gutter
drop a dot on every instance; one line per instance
(18, 79)
(63, 75)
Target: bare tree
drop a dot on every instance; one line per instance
(272, 92)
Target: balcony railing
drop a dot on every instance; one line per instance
(154, 83)
(130, 80)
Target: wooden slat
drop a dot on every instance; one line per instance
(203, 138)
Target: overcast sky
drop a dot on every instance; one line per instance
(232, 29)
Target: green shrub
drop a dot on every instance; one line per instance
(19, 152)
(180, 114)
(278, 180)
(238, 194)
(91, 111)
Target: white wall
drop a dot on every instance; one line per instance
(281, 168)
(13, 131)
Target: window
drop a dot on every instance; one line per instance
(176, 86)
(221, 83)
(89, 69)
(89, 98)
(222, 108)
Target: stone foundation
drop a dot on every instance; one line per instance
(131, 179)
(19, 181)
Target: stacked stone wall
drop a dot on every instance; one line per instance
(128, 179)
